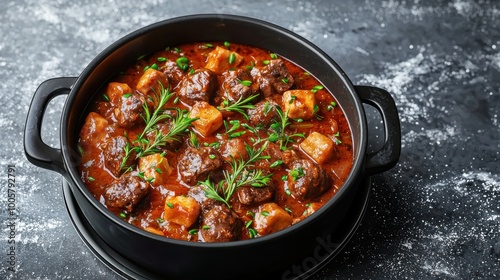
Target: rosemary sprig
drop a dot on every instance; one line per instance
(180, 124)
(157, 115)
(142, 145)
(279, 127)
(239, 106)
(239, 175)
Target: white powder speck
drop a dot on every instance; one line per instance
(27, 232)
(493, 217)
(47, 13)
(438, 268)
(462, 7)
(495, 61)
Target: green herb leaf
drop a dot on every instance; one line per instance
(232, 57)
(276, 163)
(297, 173)
(252, 232)
(249, 223)
(316, 88)
(183, 63)
(246, 83)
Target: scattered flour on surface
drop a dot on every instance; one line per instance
(397, 78)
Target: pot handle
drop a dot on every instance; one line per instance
(387, 157)
(37, 152)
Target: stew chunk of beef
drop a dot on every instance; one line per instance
(128, 109)
(197, 164)
(173, 72)
(125, 193)
(237, 84)
(248, 195)
(264, 112)
(307, 180)
(114, 154)
(199, 86)
(273, 78)
(220, 224)
(125, 103)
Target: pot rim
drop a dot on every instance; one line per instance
(357, 168)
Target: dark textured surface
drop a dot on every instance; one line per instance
(436, 215)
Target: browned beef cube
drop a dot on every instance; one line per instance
(273, 78)
(197, 164)
(199, 86)
(114, 154)
(248, 195)
(173, 72)
(128, 109)
(125, 193)
(276, 154)
(220, 224)
(264, 112)
(307, 180)
(238, 84)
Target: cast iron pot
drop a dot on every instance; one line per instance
(182, 259)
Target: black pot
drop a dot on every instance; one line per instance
(182, 259)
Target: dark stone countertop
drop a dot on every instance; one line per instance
(436, 215)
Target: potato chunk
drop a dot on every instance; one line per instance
(221, 59)
(94, 129)
(299, 104)
(116, 90)
(318, 146)
(150, 81)
(311, 208)
(155, 166)
(271, 218)
(181, 210)
(210, 119)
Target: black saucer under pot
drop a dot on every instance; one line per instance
(182, 259)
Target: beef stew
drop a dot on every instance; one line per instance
(214, 142)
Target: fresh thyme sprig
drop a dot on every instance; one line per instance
(239, 175)
(239, 106)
